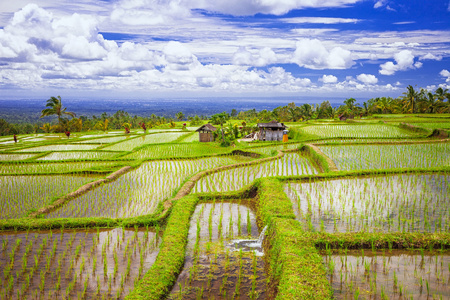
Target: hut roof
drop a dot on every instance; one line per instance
(272, 124)
(207, 127)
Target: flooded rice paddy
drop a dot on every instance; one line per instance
(20, 195)
(405, 203)
(64, 167)
(139, 191)
(235, 179)
(356, 157)
(145, 139)
(73, 264)
(213, 268)
(77, 155)
(357, 131)
(395, 274)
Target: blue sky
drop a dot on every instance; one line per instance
(175, 48)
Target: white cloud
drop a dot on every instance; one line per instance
(256, 58)
(319, 20)
(329, 79)
(275, 7)
(312, 54)
(380, 3)
(367, 78)
(430, 56)
(404, 61)
(149, 12)
(445, 73)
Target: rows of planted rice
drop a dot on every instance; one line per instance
(214, 268)
(394, 274)
(405, 203)
(77, 155)
(357, 131)
(45, 168)
(363, 140)
(177, 150)
(440, 125)
(272, 150)
(128, 145)
(21, 194)
(15, 157)
(137, 192)
(59, 147)
(62, 264)
(107, 140)
(235, 179)
(355, 157)
(193, 137)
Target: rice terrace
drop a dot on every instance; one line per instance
(344, 206)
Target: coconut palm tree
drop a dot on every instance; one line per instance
(411, 96)
(54, 105)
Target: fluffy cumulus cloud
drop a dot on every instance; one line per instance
(328, 79)
(445, 73)
(257, 58)
(40, 50)
(404, 60)
(367, 78)
(312, 54)
(34, 33)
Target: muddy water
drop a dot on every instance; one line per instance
(91, 264)
(414, 203)
(213, 270)
(389, 274)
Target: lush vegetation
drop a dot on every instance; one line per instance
(154, 214)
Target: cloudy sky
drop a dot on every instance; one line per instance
(146, 48)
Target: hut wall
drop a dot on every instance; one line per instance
(206, 137)
(271, 135)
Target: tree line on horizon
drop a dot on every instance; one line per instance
(410, 102)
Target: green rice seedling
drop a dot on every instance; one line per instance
(21, 194)
(235, 179)
(137, 192)
(356, 157)
(397, 271)
(373, 204)
(360, 131)
(70, 260)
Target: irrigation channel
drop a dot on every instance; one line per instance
(347, 211)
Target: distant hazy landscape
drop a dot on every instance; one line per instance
(29, 110)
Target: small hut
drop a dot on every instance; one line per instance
(206, 133)
(272, 131)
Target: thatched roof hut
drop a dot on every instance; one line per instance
(272, 131)
(206, 133)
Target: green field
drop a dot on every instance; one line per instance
(159, 215)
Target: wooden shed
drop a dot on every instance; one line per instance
(272, 131)
(206, 133)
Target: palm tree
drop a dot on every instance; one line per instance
(441, 94)
(385, 104)
(411, 96)
(180, 116)
(54, 105)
